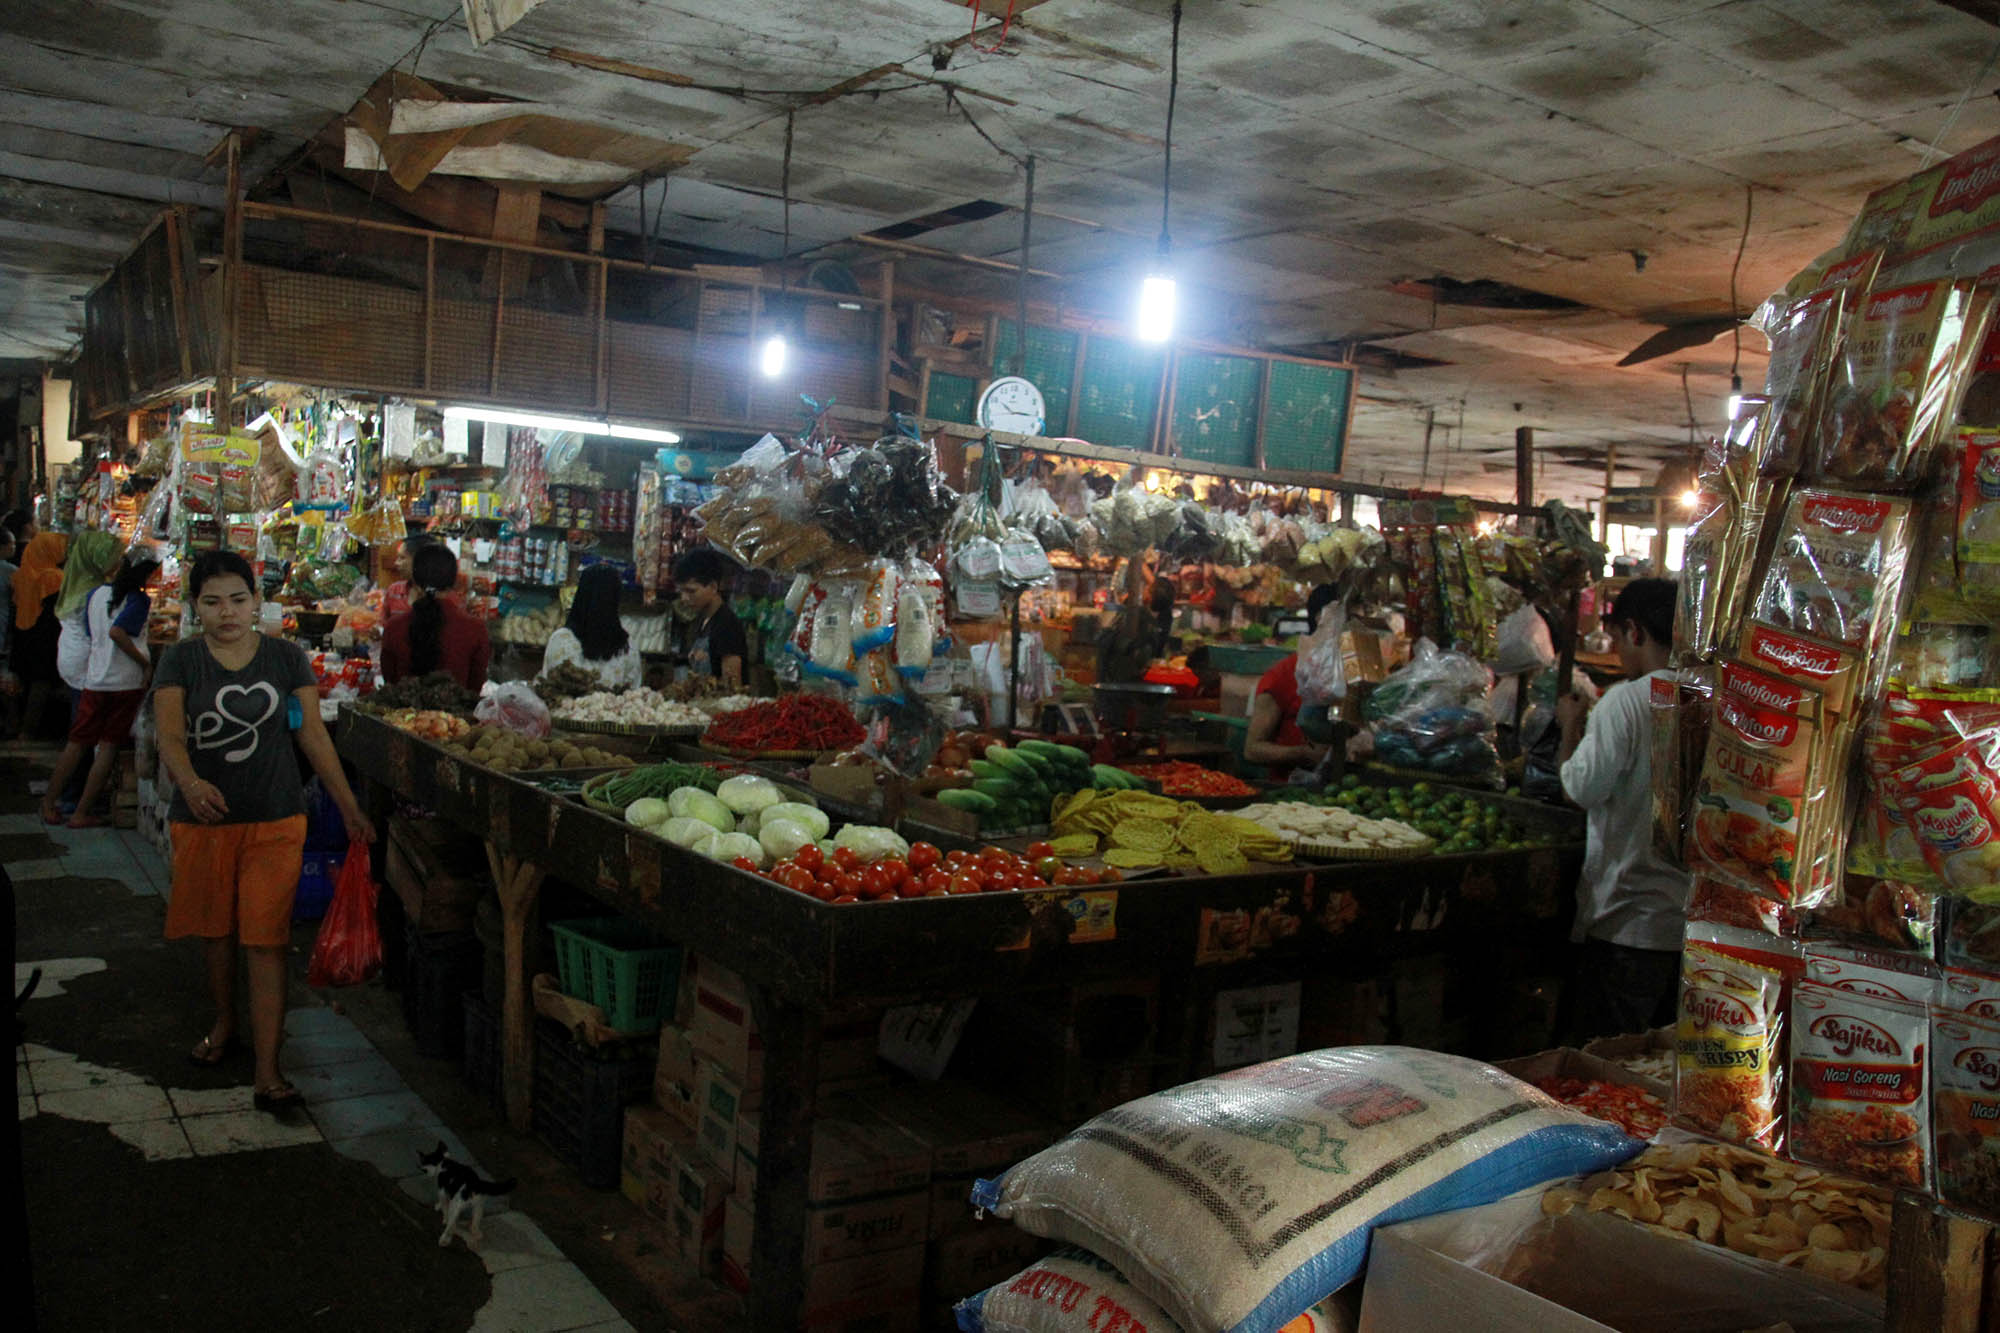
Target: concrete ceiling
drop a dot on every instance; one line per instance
(1331, 158)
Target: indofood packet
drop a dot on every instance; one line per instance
(1729, 1037)
(1836, 573)
(1770, 813)
(1891, 385)
(1724, 535)
(1860, 1085)
(1803, 337)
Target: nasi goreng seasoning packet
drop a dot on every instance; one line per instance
(1860, 1085)
(1965, 1111)
(1770, 815)
(1728, 1074)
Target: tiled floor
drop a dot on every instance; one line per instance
(101, 853)
(360, 1107)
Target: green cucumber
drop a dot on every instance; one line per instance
(965, 798)
(1000, 789)
(982, 768)
(1073, 755)
(1106, 778)
(1007, 759)
(1048, 749)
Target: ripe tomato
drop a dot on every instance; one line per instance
(924, 855)
(799, 878)
(846, 858)
(877, 881)
(845, 881)
(934, 881)
(1038, 850)
(1087, 875)
(957, 857)
(1110, 875)
(898, 871)
(967, 881)
(810, 856)
(844, 899)
(1070, 875)
(745, 863)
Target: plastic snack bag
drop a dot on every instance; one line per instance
(516, 707)
(1891, 385)
(348, 949)
(1836, 573)
(1728, 1075)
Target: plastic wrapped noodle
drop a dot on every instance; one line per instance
(1836, 573)
(1892, 384)
(1723, 537)
(1802, 337)
(1951, 800)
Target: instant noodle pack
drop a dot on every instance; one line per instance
(1826, 748)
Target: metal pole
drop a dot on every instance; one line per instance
(1524, 465)
(1014, 674)
(1027, 234)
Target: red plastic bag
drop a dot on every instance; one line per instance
(349, 948)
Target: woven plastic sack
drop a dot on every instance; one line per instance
(1238, 1202)
(1074, 1291)
(348, 949)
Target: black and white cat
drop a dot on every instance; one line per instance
(458, 1185)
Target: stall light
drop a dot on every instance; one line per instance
(577, 425)
(771, 360)
(1690, 497)
(1158, 298)
(1735, 396)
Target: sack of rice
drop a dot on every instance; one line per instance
(1074, 1291)
(1237, 1202)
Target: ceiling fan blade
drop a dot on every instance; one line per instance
(1680, 337)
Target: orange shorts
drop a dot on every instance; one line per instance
(236, 879)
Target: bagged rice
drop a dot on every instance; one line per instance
(1237, 1202)
(1074, 1291)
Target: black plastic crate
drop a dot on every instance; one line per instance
(440, 967)
(581, 1093)
(483, 1061)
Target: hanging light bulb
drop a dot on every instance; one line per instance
(1690, 497)
(1158, 298)
(771, 360)
(1735, 396)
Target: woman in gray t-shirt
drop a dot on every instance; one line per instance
(238, 816)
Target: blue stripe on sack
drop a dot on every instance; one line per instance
(986, 1193)
(1538, 1158)
(971, 1312)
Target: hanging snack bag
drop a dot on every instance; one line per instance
(1761, 807)
(1830, 668)
(1722, 536)
(1978, 530)
(1883, 913)
(1891, 386)
(1802, 337)
(1681, 707)
(831, 652)
(1952, 803)
(1715, 903)
(1728, 1073)
(1836, 572)
(1860, 1085)
(1965, 1111)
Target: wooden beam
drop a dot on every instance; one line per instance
(1937, 1269)
(232, 263)
(519, 884)
(611, 65)
(1524, 465)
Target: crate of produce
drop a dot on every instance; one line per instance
(481, 1069)
(621, 967)
(440, 966)
(580, 1096)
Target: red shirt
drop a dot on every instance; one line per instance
(464, 649)
(1281, 682)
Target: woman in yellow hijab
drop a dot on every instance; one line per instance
(92, 557)
(40, 573)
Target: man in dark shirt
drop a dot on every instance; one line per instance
(713, 638)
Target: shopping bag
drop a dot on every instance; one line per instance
(349, 948)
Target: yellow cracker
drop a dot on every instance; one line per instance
(1131, 858)
(1074, 844)
(1221, 862)
(1149, 834)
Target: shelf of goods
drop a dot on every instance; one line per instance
(1192, 935)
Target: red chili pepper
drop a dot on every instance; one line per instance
(790, 722)
(1177, 777)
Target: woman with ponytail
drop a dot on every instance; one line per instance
(436, 634)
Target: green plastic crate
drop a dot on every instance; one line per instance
(1245, 659)
(621, 967)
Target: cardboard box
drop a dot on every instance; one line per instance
(718, 1102)
(969, 1134)
(676, 1082)
(1568, 1062)
(723, 1030)
(1585, 1273)
(968, 1262)
(698, 1195)
(1660, 1041)
(851, 1158)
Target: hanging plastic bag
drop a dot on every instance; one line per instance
(348, 950)
(1322, 670)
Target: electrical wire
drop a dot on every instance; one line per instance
(785, 189)
(1736, 326)
(1173, 94)
(952, 100)
(1952, 120)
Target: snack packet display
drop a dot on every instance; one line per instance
(1681, 708)
(1728, 1074)
(1763, 818)
(1723, 537)
(1715, 903)
(1965, 1111)
(1952, 803)
(1891, 385)
(1802, 337)
(764, 513)
(1977, 530)
(1886, 913)
(1836, 573)
(1860, 1085)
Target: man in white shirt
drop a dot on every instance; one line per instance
(1631, 903)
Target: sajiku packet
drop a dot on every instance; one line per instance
(1728, 1075)
(1860, 1086)
(1965, 1110)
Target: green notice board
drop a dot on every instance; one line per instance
(1305, 416)
(952, 398)
(1050, 367)
(1120, 393)
(1215, 407)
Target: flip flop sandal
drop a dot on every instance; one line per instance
(279, 1100)
(208, 1054)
